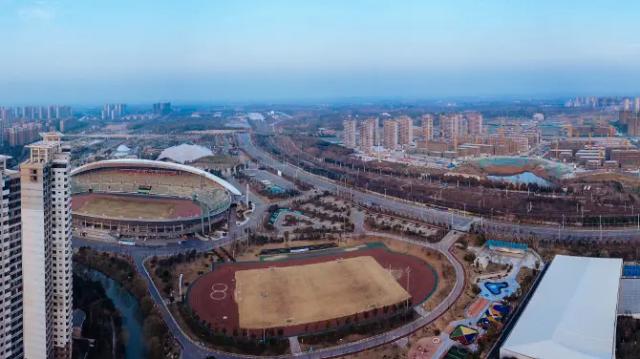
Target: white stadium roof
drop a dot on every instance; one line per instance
(156, 164)
(572, 314)
(185, 153)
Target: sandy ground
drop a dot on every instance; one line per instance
(284, 296)
(115, 206)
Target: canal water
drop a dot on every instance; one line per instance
(129, 309)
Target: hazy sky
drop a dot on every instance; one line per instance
(98, 51)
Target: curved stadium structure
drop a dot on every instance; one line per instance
(146, 200)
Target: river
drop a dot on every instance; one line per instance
(129, 310)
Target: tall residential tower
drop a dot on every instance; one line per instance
(46, 249)
(349, 133)
(11, 334)
(405, 130)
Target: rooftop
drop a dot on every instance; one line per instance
(572, 313)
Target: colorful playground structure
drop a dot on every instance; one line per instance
(494, 315)
(464, 335)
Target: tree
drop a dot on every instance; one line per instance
(146, 306)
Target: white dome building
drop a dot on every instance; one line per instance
(184, 153)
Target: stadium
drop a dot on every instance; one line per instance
(307, 292)
(146, 200)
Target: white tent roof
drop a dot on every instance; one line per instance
(185, 153)
(572, 314)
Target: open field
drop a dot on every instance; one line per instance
(310, 293)
(274, 297)
(123, 206)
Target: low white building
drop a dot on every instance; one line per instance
(184, 153)
(572, 314)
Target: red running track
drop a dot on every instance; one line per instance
(211, 295)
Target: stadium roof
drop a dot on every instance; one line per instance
(572, 314)
(185, 153)
(156, 164)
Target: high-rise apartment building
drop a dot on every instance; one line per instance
(367, 135)
(113, 111)
(450, 126)
(427, 127)
(377, 141)
(349, 133)
(405, 130)
(162, 108)
(636, 104)
(11, 333)
(46, 249)
(390, 134)
(474, 123)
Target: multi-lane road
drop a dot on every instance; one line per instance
(429, 214)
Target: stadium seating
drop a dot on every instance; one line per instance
(161, 183)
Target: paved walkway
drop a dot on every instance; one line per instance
(294, 344)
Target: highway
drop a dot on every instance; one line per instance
(457, 220)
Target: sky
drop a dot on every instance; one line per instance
(136, 51)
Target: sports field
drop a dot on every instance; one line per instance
(283, 296)
(142, 207)
(312, 292)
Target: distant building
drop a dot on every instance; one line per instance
(626, 158)
(474, 124)
(538, 117)
(113, 112)
(162, 108)
(427, 127)
(376, 132)
(450, 126)
(390, 134)
(631, 120)
(22, 134)
(349, 133)
(405, 130)
(367, 135)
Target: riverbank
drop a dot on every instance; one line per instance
(102, 330)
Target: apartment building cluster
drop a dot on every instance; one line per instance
(619, 103)
(36, 268)
(596, 152)
(113, 112)
(21, 133)
(454, 135)
(33, 113)
(395, 134)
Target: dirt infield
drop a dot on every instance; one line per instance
(311, 293)
(141, 207)
(283, 296)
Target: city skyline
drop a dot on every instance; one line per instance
(251, 51)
